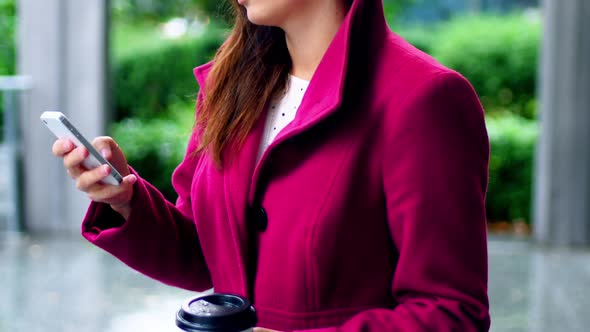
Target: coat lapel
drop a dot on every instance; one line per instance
(325, 91)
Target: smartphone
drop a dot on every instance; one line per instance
(63, 128)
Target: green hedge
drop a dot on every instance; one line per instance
(422, 37)
(7, 46)
(513, 141)
(155, 147)
(146, 83)
(498, 54)
(7, 42)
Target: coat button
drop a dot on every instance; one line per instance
(260, 219)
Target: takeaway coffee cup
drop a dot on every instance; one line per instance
(216, 313)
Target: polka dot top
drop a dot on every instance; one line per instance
(282, 110)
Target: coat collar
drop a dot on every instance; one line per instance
(365, 22)
(365, 19)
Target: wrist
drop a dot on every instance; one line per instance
(122, 209)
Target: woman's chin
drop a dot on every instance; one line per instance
(260, 16)
(258, 19)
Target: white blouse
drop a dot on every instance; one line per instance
(282, 110)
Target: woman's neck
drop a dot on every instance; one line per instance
(309, 35)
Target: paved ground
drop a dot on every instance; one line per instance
(68, 285)
(536, 289)
(65, 284)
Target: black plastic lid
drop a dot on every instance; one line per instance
(216, 313)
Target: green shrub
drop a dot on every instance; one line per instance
(147, 82)
(393, 9)
(498, 54)
(512, 140)
(134, 10)
(7, 42)
(155, 147)
(7, 46)
(422, 37)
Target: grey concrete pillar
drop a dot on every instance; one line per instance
(63, 48)
(562, 188)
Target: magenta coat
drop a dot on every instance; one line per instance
(365, 214)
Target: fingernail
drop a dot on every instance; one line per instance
(66, 145)
(104, 153)
(131, 179)
(105, 169)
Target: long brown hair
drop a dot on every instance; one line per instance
(250, 67)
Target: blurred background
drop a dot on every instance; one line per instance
(124, 68)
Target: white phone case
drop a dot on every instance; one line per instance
(63, 128)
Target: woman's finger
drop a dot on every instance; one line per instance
(75, 172)
(75, 157)
(104, 145)
(91, 177)
(61, 147)
(115, 195)
(111, 151)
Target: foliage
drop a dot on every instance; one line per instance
(421, 36)
(512, 140)
(154, 92)
(7, 29)
(155, 147)
(7, 45)
(394, 8)
(157, 10)
(498, 54)
(147, 82)
(128, 39)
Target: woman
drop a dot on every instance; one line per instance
(364, 212)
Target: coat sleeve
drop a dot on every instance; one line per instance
(159, 239)
(435, 186)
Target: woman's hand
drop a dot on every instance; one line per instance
(88, 181)
(262, 329)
